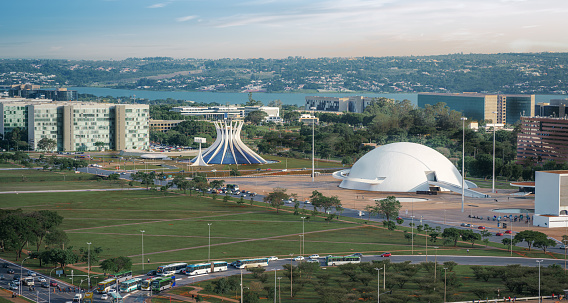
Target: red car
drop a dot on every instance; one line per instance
(499, 234)
(508, 232)
(481, 227)
(53, 284)
(387, 254)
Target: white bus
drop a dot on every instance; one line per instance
(147, 284)
(106, 285)
(340, 260)
(130, 285)
(203, 268)
(244, 263)
(171, 269)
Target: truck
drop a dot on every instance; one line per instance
(77, 298)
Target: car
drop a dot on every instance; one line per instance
(6, 265)
(104, 297)
(499, 234)
(53, 284)
(1, 277)
(10, 271)
(313, 261)
(41, 279)
(398, 218)
(307, 202)
(314, 256)
(357, 255)
(273, 258)
(31, 273)
(481, 227)
(465, 224)
(387, 254)
(111, 290)
(44, 284)
(508, 232)
(152, 273)
(299, 258)
(16, 277)
(13, 286)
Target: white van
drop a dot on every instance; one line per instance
(77, 298)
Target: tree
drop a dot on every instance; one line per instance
(276, 197)
(544, 243)
(94, 255)
(252, 102)
(115, 265)
(17, 230)
(256, 117)
(47, 144)
(63, 257)
(217, 183)
(319, 200)
(530, 236)
(99, 144)
(470, 236)
(144, 178)
(389, 207)
(452, 234)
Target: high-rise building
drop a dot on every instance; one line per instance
(553, 108)
(479, 107)
(78, 126)
(542, 139)
(31, 91)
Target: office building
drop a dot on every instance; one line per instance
(543, 139)
(353, 104)
(78, 126)
(551, 199)
(553, 108)
(225, 112)
(30, 91)
(164, 125)
(480, 107)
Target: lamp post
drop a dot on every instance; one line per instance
(378, 284)
(539, 297)
(279, 296)
(445, 284)
(291, 275)
(209, 249)
(512, 241)
(21, 275)
(493, 181)
(313, 143)
(241, 286)
(49, 286)
(275, 285)
(89, 265)
(463, 160)
(142, 231)
(303, 237)
(435, 264)
(412, 235)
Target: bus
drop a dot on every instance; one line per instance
(171, 269)
(203, 268)
(162, 283)
(106, 285)
(339, 260)
(251, 263)
(130, 285)
(115, 297)
(122, 276)
(147, 284)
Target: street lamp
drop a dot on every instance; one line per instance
(435, 264)
(291, 275)
(49, 286)
(378, 284)
(412, 235)
(275, 285)
(303, 237)
(445, 284)
(539, 297)
(313, 142)
(142, 231)
(279, 296)
(209, 251)
(241, 286)
(463, 160)
(89, 265)
(493, 183)
(21, 275)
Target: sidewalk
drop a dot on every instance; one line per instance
(7, 294)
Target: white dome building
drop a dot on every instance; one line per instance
(404, 167)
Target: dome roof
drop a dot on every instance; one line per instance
(400, 167)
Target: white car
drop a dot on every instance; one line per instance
(104, 297)
(273, 258)
(307, 202)
(41, 279)
(111, 290)
(299, 258)
(314, 256)
(313, 261)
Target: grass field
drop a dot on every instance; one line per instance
(32, 179)
(176, 229)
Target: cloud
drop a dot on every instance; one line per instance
(186, 18)
(158, 5)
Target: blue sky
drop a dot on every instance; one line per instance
(117, 29)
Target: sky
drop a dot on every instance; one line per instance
(211, 29)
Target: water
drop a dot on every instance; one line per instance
(240, 98)
(231, 98)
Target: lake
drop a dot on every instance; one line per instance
(240, 98)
